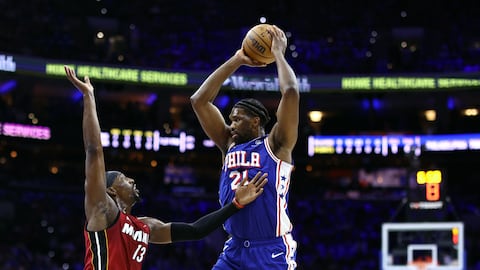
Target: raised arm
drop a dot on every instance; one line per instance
(209, 116)
(284, 133)
(163, 233)
(100, 209)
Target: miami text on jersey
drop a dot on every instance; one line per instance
(139, 235)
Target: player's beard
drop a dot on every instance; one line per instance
(136, 199)
(239, 139)
(136, 194)
(243, 137)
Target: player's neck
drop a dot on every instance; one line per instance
(124, 207)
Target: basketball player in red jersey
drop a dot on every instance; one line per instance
(114, 238)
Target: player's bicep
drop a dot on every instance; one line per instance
(96, 198)
(160, 232)
(285, 131)
(213, 124)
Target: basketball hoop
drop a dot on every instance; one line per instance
(423, 265)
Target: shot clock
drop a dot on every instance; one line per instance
(431, 180)
(426, 195)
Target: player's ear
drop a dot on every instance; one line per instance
(257, 121)
(112, 192)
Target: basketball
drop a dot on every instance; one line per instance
(257, 44)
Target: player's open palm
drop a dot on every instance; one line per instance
(84, 87)
(245, 194)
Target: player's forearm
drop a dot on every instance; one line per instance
(203, 226)
(286, 76)
(211, 86)
(91, 126)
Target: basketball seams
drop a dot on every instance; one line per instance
(267, 44)
(252, 50)
(256, 33)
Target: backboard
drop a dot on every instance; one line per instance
(435, 245)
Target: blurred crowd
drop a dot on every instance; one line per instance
(41, 227)
(335, 37)
(41, 214)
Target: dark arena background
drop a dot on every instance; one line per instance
(388, 156)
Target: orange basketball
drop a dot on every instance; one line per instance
(257, 44)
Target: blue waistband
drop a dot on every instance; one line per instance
(254, 242)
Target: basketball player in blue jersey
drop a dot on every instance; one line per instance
(260, 235)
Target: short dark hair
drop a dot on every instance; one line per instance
(255, 107)
(111, 176)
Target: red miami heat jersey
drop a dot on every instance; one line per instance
(267, 217)
(121, 246)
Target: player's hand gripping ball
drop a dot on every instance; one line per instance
(257, 44)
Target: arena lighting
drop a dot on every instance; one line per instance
(25, 131)
(151, 99)
(222, 101)
(392, 144)
(120, 74)
(7, 86)
(430, 115)
(365, 103)
(315, 116)
(377, 104)
(7, 63)
(451, 103)
(208, 143)
(470, 112)
(263, 83)
(76, 95)
(308, 83)
(150, 140)
(406, 83)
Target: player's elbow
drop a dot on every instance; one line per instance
(197, 234)
(291, 92)
(193, 99)
(196, 99)
(196, 102)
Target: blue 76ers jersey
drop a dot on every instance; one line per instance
(267, 217)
